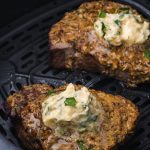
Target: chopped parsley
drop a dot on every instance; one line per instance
(117, 22)
(50, 92)
(103, 28)
(102, 14)
(81, 145)
(147, 54)
(71, 101)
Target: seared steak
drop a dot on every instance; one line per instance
(117, 119)
(74, 44)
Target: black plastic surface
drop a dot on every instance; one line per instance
(24, 60)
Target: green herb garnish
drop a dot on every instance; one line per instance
(117, 22)
(71, 101)
(102, 14)
(81, 145)
(103, 28)
(147, 54)
(50, 92)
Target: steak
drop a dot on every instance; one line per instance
(74, 44)
(117, 120)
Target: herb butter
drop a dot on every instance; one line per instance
(119, 28)
(54, 108)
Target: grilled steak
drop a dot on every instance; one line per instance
(85, 39)
(101, 123)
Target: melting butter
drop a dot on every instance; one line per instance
(54, 108)
(122, 28)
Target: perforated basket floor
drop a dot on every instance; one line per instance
(24, 60)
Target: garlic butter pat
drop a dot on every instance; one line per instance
(119, 28)
(68, 105)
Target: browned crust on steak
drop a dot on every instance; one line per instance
(73, 39)
(19, 100)
(119, 119)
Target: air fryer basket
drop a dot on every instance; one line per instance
(24, 61)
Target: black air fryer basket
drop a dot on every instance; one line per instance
(24, 61)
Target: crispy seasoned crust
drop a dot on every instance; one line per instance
(75, 45)
(19, 100)
(119, 119)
